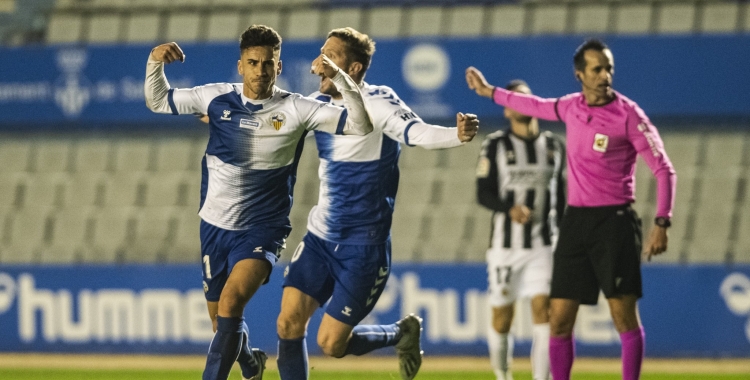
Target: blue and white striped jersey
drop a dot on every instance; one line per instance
(359, 174)
(250, 164)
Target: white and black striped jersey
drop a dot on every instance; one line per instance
(517, 171)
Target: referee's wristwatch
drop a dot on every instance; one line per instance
(662, 222)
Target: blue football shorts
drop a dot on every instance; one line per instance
(351, 276)
(222, 249)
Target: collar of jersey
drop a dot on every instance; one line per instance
(256, 105)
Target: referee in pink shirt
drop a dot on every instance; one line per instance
(600, 241)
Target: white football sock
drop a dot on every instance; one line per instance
(540, 351)
(501, 354)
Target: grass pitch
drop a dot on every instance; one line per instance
(67, 374)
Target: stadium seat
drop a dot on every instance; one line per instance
(424, 22)
(406, 231)
(549, 19)
(184, 27)
(15, 154)
(384, 22)
(466, 21)
(507, 20)
(591, 18)
(92, 155)
(133, 155)
(52, 156)
(746, 21)
(64, 28)
(676, 18)
(143, 27)
(682, 149)
(267, 16)
(104, 28)
(186, 245)
(27, 233)
(114, 231)
(711, 235)
(229, 2)
(224, 26)
(69, 232)
(343, 17)
(418, 158)
(12, 187)
(149, 3)
(85, 190)
(154, 227)
(415, 188)
(464, 157)
(163, 189)
(45, 190)
(125, 190)
(458, 187)
(446, 227)
(175, 155)
(724, 150)
(633, 18)
(304, 24)
(720, 17)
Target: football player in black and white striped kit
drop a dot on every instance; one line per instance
(520, 176)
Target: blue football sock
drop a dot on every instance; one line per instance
(292, 360)
(366, 338)
(246, 360)
(224, 349)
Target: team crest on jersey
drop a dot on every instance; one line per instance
(278, 119)
(600, 142)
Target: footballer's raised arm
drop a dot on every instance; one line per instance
(354, 120)
(160, 97)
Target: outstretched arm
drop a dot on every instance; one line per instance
(430, 136)
(530, 105)
(357, 120)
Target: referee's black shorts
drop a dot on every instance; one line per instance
(598, 248)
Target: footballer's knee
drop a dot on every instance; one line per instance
(231, 306)
(289, 327)
(332, 345)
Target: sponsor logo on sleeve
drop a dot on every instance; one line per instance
(227, 115)
(601, 142)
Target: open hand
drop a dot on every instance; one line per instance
(467, 126)
(168, 53)
(324, 66)
(476, 82)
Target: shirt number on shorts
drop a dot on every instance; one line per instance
(207, 266)
(503, 274)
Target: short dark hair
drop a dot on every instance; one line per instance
(515, 83)
(360, 47)
(579, 62)
(260, 35)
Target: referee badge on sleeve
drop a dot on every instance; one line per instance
(600, 142)
(483, 167)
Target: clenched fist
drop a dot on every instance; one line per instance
(168, 53)
(467, 126)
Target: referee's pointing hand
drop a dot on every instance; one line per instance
(656, 243)
(168, 53)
